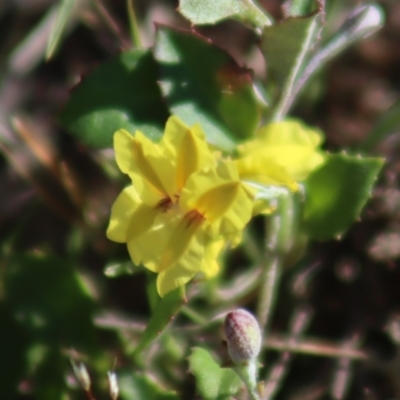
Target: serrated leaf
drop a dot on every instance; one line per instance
(336, 194)
(134, 386)
(64, 12)
(212, 381)
(285, 46)
(387, 124)
(163, 314)
(200, 12)
(203, 84)
(121, 93)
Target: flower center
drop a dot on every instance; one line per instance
(167, 203)
(164, 205)
(194, 217)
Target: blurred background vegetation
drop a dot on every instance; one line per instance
(62, 293)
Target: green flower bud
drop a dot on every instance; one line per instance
(243, 336)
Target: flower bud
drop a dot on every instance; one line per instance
(113, 385)
(82, 375)
(243, 336)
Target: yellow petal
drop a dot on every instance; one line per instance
(123, 145)
(147, 193)
(288, 144)
(186, 245)
(172, 278)
(191, 255)
(152, 164)
(178, 274)
(122, 211)
(188, 146)
(220, 196)
(183, 257)
(161, 163)
(143, 160)
(284, 133)
(147, 245)
(210, 265)
(260, 168)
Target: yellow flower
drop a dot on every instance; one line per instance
(282, 153)
(184, 204)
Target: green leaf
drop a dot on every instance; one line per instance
(121, 93)
(162, 315)
(64, 11)
(212, 381)
(299, 7)
(362, 22)
(200, 12)
(54, 312)
(202, 83)
(134, 386)
(13, 348)
(336, 194)
(387, 124)
(52, 298)
(285, 46)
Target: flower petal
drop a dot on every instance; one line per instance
(179, 273)
(172, 278)
(260, 168)
(148, 240)
(143, 160)
(123, 144)
(189, 147)
(210, 265)
(122, 211)
(220, 196)
(288, 144)
(185, 247)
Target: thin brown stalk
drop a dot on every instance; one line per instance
(109, 22)
(314, 347)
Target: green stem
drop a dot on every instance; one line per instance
(269, 283)
(193, 315)
(251, 247)
(248, 374)
(278, 241)
(133, 25)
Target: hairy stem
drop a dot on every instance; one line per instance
(248, 374)
(278, 241)
(133, 25)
